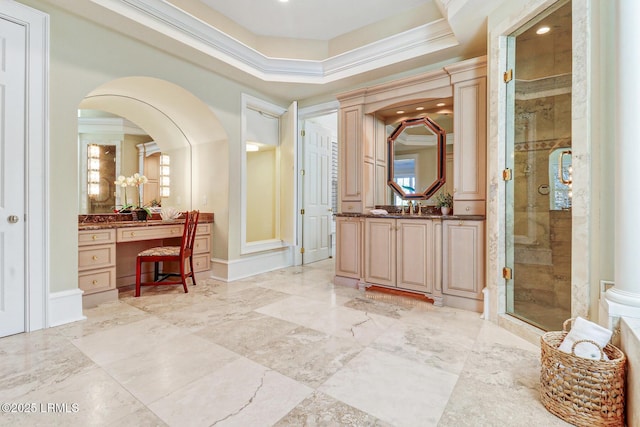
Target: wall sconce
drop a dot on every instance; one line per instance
(93, 170)
(165, 175)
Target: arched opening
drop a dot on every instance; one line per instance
(176, 120)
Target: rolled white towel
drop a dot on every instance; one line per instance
(378, 212)
(583, 329)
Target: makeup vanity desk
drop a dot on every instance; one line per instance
(109, 243)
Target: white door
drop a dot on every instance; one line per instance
(12, 177)
(316, 222)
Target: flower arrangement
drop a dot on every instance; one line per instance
(444, 200)
(135, 180)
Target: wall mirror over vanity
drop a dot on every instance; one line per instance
(417, 150)
(408, 140)
(111, 146)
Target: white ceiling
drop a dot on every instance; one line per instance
(304, 48)
(309, 19)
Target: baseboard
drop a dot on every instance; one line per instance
(93, 300)
(463, 303)
(65, 307)
(250, 265)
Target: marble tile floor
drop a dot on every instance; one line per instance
(285, 348)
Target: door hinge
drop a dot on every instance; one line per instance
(507, 273)
(301, 250)
(302, 133)
(508, 75)
(301, 211)
(507, 175)
(302, 172)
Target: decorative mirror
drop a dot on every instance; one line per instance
(417, 158)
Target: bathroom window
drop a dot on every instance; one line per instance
(404, 173)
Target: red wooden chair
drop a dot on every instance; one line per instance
(177, 254)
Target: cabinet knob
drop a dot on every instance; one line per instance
(95, 282)
(468, 208)
(94, 237)
(133, 233)
(95, 258)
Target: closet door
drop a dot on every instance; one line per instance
(12, 172)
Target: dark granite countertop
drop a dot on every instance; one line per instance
(106, 221)
(398, 215)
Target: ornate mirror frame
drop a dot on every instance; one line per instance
(441, 141)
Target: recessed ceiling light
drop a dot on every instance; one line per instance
(284, 1)
(419, 108)
(440, 104)
(400, 111)
(543, 30)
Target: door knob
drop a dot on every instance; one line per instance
(13, 219)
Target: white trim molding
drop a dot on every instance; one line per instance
(250, 265)
(166, 18)
(65, 307)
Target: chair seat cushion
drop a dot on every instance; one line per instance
(161, 251)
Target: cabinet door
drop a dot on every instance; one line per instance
(463, 259)
(380, 251)
(351, 158)
(416, 265)
(348, 247)
(469, 161)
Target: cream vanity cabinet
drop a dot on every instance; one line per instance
(463, 262)
(202, 248)
(362, 159)
(400, 253)
(107, 256)
(470, 140)
(350, 159)
(349, 248)
(96, 260)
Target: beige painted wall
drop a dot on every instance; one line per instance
(261, 195)
(83, 56)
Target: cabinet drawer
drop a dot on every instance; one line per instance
(202, 244)
(469, 207)
(98, 256)
(201, 262)
(203, 229)
(133, 234)
(97, 280)
(351, 207)
(96, 237)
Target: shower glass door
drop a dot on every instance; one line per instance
(539, 177)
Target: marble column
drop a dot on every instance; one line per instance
(624, 298)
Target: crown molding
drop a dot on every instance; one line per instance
(173, 22)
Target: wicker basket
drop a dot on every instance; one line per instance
(581, 391)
